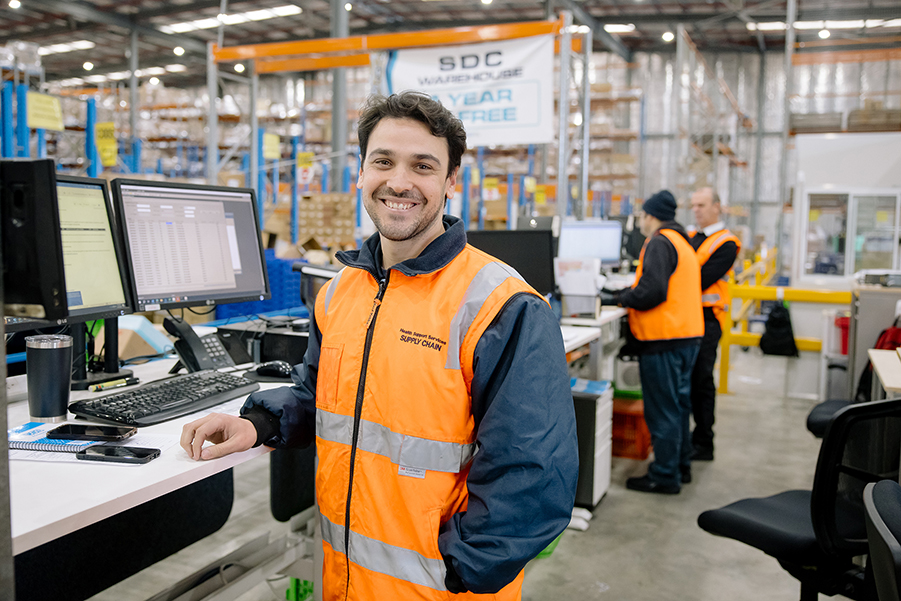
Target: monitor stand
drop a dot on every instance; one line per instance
(81, 378)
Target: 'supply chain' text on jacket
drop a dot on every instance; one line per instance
(665, 302)
(716, 254)
(444, 424)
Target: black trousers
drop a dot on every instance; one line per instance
(703, 389)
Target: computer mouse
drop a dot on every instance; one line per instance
(275, 369)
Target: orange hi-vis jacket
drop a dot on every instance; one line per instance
(717, 295)
(680, 315)
(394, 453)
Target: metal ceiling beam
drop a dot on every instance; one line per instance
(90, 14)
(832, 14)
(597, 29)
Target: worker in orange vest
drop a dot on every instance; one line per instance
(717, 250)
(666, 325)
(435, 385)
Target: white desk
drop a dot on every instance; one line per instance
(887, 366)
(604, 342)
(49, 500)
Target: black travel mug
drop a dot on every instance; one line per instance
(48, 365)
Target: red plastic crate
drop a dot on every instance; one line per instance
(631, 438)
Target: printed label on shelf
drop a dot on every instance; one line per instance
(107, 146)
(44, 112)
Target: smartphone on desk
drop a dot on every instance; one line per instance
(92, 432)
(118, 454)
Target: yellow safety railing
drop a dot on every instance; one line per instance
(762, 272)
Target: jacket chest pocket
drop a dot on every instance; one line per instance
(327, 378)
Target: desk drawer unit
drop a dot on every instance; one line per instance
(594, 428)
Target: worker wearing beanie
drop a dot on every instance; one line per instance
(666, 324)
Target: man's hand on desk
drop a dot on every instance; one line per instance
(228, 433)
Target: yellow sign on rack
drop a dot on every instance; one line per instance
(44, 112)
(305, 159)
(540, 195)
(530, 184)
(107, 147)
(271, 146)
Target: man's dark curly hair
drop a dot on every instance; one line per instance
(421, 107)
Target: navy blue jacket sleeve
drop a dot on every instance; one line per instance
(522, 480)
(660, 261)
(292, 407)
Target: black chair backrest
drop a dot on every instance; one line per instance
(882, 501)
(862, 444)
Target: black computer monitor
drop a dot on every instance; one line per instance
(191, 245)
(591, 239)
(529, 252)
(94, 260)
(96, 273)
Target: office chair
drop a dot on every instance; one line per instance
(815, 534)
(882, 501)
(820, 416)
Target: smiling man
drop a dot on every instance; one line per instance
(435, 386)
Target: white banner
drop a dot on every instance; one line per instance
(502, 91)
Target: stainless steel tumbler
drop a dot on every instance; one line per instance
(48, 365)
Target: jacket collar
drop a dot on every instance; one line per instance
(441, 251)
(675, 226)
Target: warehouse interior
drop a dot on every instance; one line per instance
(788, 110)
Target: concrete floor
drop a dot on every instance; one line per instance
(639, 547)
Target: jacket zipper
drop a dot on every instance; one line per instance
(358, 410)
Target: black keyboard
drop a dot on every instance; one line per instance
(167, 399)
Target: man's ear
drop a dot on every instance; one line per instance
(360, 175)
(450, 187)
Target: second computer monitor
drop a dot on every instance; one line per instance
(191, 245)
(591, 240)
(530, 252)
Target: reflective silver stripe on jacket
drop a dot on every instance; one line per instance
(710, 298)
(483, 284)
(383, 558)
(332, 285)
(411, 451)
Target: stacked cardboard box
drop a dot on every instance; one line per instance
(323, 220)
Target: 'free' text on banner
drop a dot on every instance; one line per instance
(503, 91)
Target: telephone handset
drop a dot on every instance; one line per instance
(197, 353)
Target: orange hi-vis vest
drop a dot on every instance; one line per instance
(395, 433)
(680, 315)
(717, 295)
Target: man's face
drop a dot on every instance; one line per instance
(705, 210)
(644, 224)
(404, 179)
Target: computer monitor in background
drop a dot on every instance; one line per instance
(591, 239)
(529, 252)
(191, 245)
(96, 274)
(542, 222)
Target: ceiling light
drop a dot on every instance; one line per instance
(287, 10)
(892, 23)
(118, 75)
(82, 44)
(233, 19)
(178, 50)
(874, 23)
(259, 15)
(824, 33)
(95, 79)
(176, 68)
(486, 1)
(205, 23)
(668, 36)
(239, 67)
(123, 104)
(154, 71)
(88, 66)
(845, 24)
(221, 17)
(348, 7)
(154, 81)
(619, 27)
(14, 4)
(809, 24)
